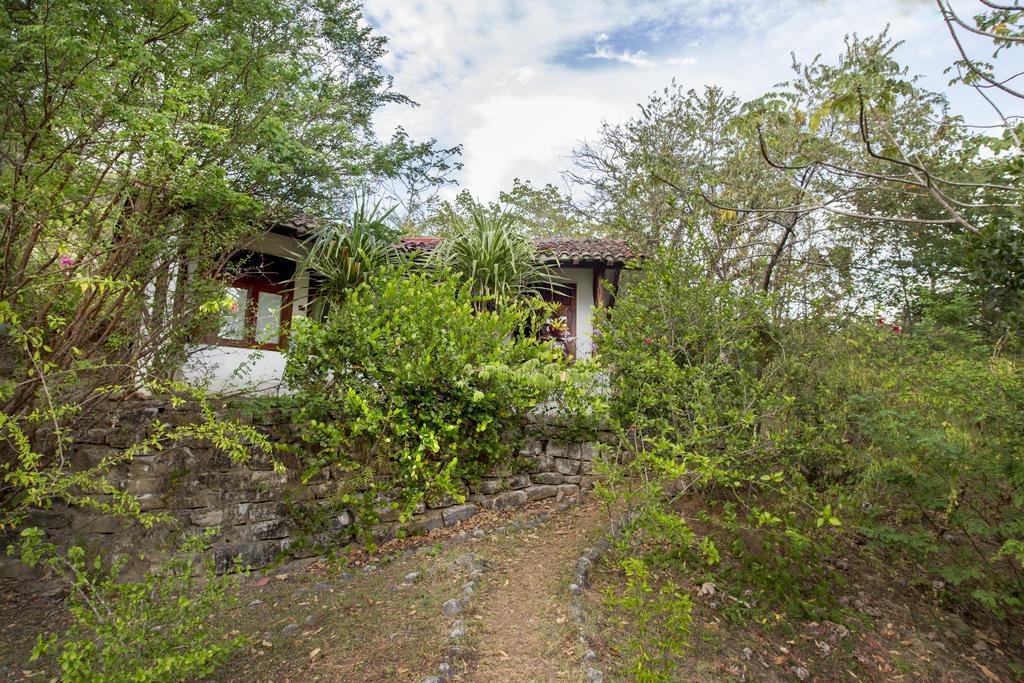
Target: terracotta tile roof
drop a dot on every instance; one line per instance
(586, 249)
(561, 249)
(298, 225)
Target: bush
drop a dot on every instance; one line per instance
(798, 437)
(923, 431)
(412, 388)
(156, 629)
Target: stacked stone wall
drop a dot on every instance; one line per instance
(262, 514)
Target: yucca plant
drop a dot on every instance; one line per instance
(499, 261)
(342, 255)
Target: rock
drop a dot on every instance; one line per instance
(486, 486)
(582, 570)
(431, 679)
(452, 607)
(518, 481)
(290, 630)
(510, 499)
(411, 576)
(539, 492)
(458, 629)
(542, 463)
(548, 478)
(567, 466)
(458, 513)
(747, 653)
(980, 646)
(574, 589)
(589, 657)
(467, 560)
(479, 533)
(568, 491)
(444, 670)
(801, 673)
(593, 675)
(255, 603)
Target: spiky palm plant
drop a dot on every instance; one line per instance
(342, 255)
(498, 260)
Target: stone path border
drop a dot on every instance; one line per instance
(475, 566)
(591, 671)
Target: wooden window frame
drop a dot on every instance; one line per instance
(254, 286)
(565, 294)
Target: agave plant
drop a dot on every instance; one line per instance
(498, 260)
(341, 255)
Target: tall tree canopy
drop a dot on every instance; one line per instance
(136, 135)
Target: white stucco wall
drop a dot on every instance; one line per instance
(228, 369)
(584, 279)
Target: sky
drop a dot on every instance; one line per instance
(521, 83)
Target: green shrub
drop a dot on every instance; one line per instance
(411, 388)
(156, 629)
(924, 432)
(801, 437)
(661, 622)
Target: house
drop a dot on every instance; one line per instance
(271, 290)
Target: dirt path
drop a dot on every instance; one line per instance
(525, 633)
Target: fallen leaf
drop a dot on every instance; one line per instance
(988, 673)
(261, 582)
(266, 643)
(314, 654)
(281, 577)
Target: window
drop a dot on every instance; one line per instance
(561, 328)
(259, 315)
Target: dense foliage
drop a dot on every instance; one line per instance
(156, 629)
(136, 137)
(787, 444)
(414, 387)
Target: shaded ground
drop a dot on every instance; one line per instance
(525, 633)
(360, 619)
(342, 621)
(884, 629)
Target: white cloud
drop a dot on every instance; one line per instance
(520, 83)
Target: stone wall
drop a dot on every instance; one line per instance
(262, 514)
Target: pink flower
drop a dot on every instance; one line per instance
(648, 341)
(66, 261)
(234, 307)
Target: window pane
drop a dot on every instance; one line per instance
(268, 318)
(234, 324)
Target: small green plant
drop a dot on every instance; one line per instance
(659, 622)
(156, 629)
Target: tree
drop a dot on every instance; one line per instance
(494, 255)
(138, 137)
(906, 178)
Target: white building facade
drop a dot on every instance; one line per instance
(247, 356)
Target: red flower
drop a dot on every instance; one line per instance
(897, 329)
(881, 321)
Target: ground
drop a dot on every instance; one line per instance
(379, 617)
